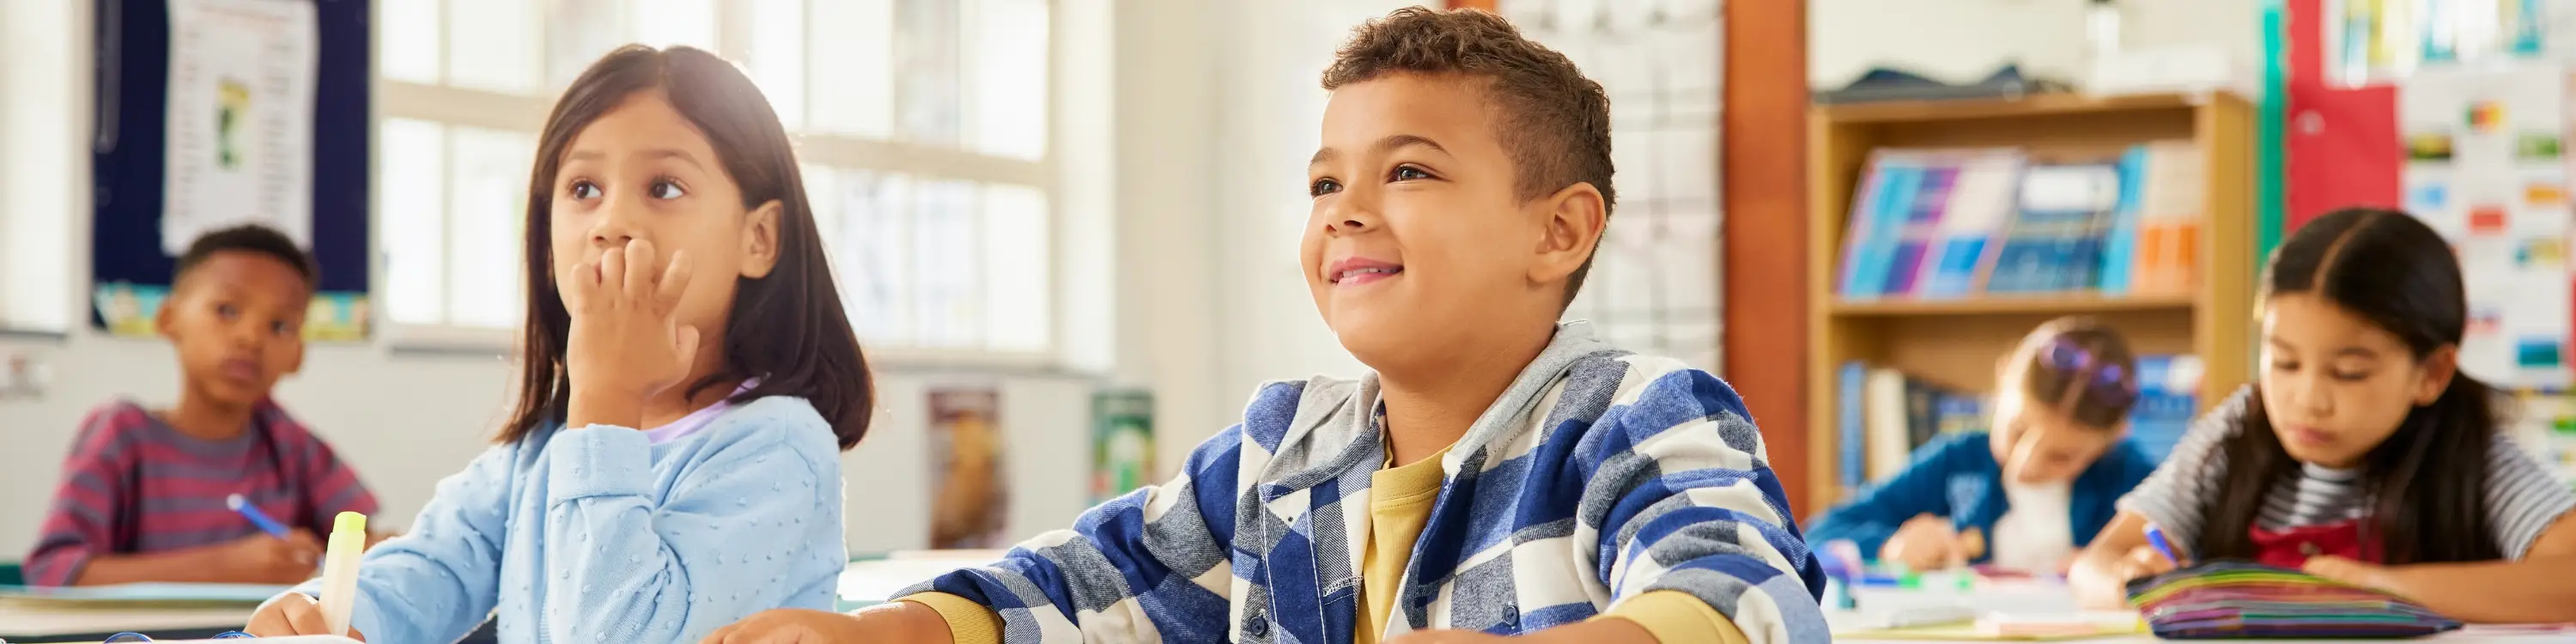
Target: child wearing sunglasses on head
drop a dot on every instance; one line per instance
(2032, 493)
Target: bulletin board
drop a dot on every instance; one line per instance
(130, 264)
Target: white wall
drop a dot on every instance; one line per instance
(1270, 121)
(1961, 40)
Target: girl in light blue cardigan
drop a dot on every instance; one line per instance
(2033, 492)
(651, 486)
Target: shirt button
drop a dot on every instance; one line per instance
(1257, 628)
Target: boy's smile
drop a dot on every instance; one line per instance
(1355, 271)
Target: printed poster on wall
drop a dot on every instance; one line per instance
(969, 492)
(2485, 166)
(240, 119)
(1122, 442)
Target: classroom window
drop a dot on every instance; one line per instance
(922, 125)
(41, 195)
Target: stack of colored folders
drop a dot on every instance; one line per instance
(2236, 599)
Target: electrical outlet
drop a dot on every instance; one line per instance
(22, 376)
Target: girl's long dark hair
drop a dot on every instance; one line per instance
(2427, 480)
(787, 328)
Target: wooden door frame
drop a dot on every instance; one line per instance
(1763, 171)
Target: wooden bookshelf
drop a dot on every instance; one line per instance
(1956, 342)
(2053, 305)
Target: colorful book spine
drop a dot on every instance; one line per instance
(1849, 412)
(2061, 220)
(2168, 396)
(1890, 446)
(1870, 238)
(1920, 231)
(1922, 412)
(2170, 216)
(1981, 203)
(2120, 247)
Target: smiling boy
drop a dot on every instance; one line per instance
(1498, 473)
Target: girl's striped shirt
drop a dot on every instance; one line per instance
(2522, 497)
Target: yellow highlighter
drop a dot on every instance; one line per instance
(340, 570)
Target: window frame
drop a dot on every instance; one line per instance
(453, 106)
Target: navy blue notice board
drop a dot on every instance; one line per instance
(126, 154)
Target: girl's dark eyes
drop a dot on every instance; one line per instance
(1321, 187)
(1408, 173)
(279, 327)
(665, 189)
(227, 311)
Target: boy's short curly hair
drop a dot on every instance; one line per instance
(1555, 122)
(254, 239)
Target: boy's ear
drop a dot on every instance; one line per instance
(1573, 220)
(2439, 366)
(161, 320)
(760, 239)
(295, 365)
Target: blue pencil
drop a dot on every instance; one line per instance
(257, 518)
(2156, 538)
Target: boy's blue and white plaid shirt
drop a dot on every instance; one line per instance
(1598, 476)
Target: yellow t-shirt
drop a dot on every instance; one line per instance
(1399, 504)
(1400, 500)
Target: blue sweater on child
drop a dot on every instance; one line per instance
(596, 535)
(1956, 477)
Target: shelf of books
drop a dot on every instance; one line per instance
(1941, 232)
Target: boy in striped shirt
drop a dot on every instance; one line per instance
(143, 496)
(1498, 474)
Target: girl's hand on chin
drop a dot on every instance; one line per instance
(624, 343)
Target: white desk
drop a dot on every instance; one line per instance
(31, 622)
(2457, 636)
(2041, 599)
